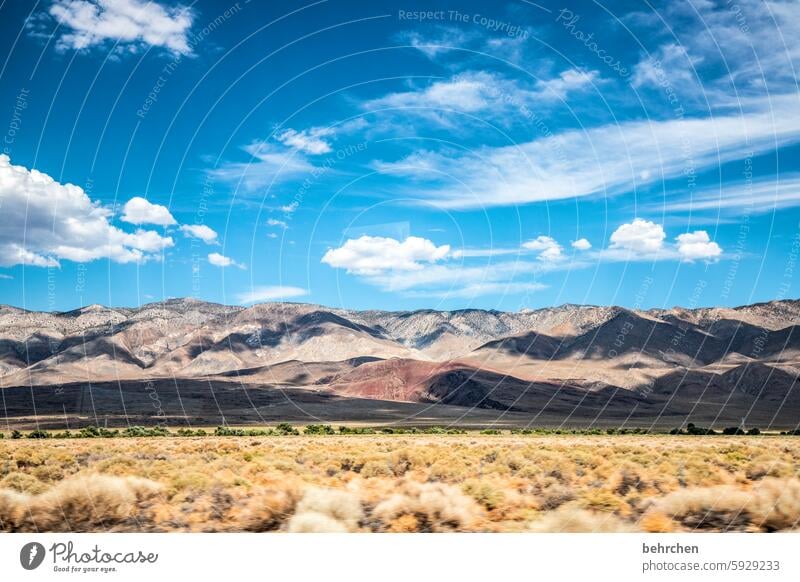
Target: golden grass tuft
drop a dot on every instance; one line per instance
(402, 483)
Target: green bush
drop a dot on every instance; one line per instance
(356, 430)
(285, 428)
(38, 434)
(319, 429)
(732, 430)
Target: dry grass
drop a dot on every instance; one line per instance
(402, 484)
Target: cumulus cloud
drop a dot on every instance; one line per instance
(137, 210)
(548, 248)
(219, 260)
(416, 267)
(581, 244)
(44, 221)
(309, 141)
(645, 240)
(83, 24)
(640, 236)
(372, 255)
(270, 293)
(201, 231)
(697, 245)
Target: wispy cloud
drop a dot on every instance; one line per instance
(270, 164)
(608, 159)
(758, 196)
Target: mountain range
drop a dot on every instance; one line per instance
(184, 361)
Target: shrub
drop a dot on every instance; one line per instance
(326, 510)
(318, 429)
(356, 430)
(38, 434)
(77, 505)
(771, 505)
(436, 507)
(269, 509)
(573, 520)
(15, 434)
(732, 430)
(285, 429)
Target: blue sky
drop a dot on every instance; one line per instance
(399, 155)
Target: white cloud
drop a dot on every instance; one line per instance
(4, 276)
(371, 255)
(137, 210)
(645, 240)
(567, 82)
(581, 244)
(272, 235)
(272, 164)
(442, 41)
(413, 267)
(219, 260)
(484, 93)
(279, 223)
(270, 293)
(640, 236)
(309, 141)
(469, 92)
(548, 248)
(137, 23)
(740, 50)
(291, 207)
(201, 231)
(605, 160)
(44, 221)
(758, 196)
(697, 245)
(670, 66)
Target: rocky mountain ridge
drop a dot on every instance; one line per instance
(525, 362)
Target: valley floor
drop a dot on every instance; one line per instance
(394, 483)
